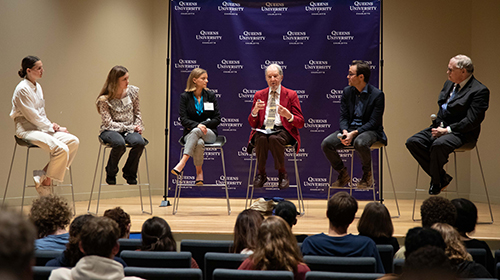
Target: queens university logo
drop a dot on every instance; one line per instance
(230, 8)
(296, 37)
(252, 37)
(363, 8)
(230, 124)
(318, 8)
(317, 125)
(209, 37)
(247, 95)
(274, 9)
(229, 66)
(340, 37)
(301, 94)
(317, 66)
(281, 63)
(187, 8)
(186, 65)
(335, 95)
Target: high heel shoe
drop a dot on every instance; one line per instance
(175, 172)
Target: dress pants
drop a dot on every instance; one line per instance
(117, 141)
(362, 143)
(432, 153)
(271, 142)
(61, 146)
(195, 144)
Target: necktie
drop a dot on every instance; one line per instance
(271, 116)
(456, 89)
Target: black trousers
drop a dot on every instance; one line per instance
(118, 141)
(271, 142)
(433, 153)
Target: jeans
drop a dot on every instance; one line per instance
(118, 142)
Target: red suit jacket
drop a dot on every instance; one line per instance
(289, 100)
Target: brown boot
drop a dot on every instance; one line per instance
(343, 179)
(366, 181)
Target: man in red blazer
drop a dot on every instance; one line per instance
(276, 113)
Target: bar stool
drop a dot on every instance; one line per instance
(108, 146)
(218, 145)
(300, 198)
(23, 143)
(376, 146)
(466, 147)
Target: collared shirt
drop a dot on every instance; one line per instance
(28, 102)
(277, 119)
(358, 107)
(462, 84)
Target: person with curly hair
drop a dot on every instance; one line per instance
(245, 231)
(17, 252)
(51, 215)
(461, 260)
(122, 218)
(157, 236)
(276, 249)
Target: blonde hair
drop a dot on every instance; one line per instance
(455, 248)
(195, 74)
(109, 90)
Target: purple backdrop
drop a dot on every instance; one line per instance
(313, 41)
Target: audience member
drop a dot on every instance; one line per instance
(466, 223)
(342, 208)
(428, 262)
(276, 249)
(435, 209)
(376, 223)
(99, 244)
(122, 218)
(51, 215)
(461, 260)
(287, 210)
(246, 229)
(157, 236)
(419, 237)
(17, 239)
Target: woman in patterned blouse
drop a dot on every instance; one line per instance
(118, 104)
(200, 116)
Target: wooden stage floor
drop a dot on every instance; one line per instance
(200, 216)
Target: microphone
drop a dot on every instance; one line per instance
(433, 119)
(341, 136)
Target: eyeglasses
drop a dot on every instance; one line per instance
(351, 74)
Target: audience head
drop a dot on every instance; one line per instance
(466, 215)
(99, 237)
(428, 262)
(157, 236)
(287, 210)
(122, 218)
(17, 246)
(362, 67)
(27, 63)
(49, 214)
(342, 208)
(419, 237)
(110, 88)
(437, 209)
(195, 74)
(455, 249)
(277, 247)
(246, 229)
(72, 252)
(375, 221)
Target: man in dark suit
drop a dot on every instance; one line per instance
(361, 111)
(462, 102)
(277, 114)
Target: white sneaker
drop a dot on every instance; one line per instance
(39, 177)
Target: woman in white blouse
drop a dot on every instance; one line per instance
(118, 104)
(32, 125)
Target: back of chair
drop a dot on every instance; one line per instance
(479, 255)
(198, 248)
(164, 273)
(341, 264)
(234, 274)
(222, 260)
(386, 255)
(129, 244)
(42, 272)
(323, 275)
(397, 265)
(43, 256)
(157, 259)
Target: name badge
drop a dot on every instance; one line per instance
(209, 106)
(126, 101)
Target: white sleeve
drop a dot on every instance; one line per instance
(26, 104)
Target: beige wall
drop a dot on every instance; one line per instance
(79, 41)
